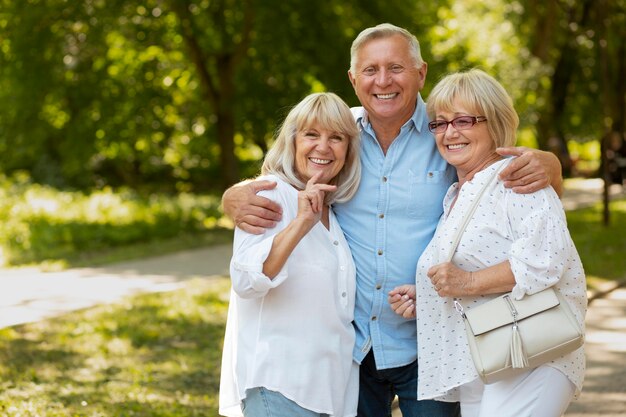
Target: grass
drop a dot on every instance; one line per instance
(602, 249)
(154, 355)
(158, 355)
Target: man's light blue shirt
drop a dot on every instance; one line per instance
(388, 223)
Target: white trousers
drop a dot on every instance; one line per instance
(541, 392)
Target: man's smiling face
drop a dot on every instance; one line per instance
(386, 79)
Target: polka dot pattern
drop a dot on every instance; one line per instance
(528, 230)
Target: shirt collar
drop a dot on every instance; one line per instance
(419, 115)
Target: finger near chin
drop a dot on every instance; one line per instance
(314, 178)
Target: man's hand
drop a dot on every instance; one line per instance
(250, 212)
(531, 170)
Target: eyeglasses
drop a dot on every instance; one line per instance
(459, 123)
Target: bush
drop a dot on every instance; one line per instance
(40, 223)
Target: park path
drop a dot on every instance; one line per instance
(604, 392)
(28, 294)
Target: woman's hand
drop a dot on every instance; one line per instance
(310, 209)
(311, 200)
(451, 281)
(402, 301)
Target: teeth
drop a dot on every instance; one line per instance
(320, 161)
(386, 96)
(458, 146)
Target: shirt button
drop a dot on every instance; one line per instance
(384, 179)
(430, 175)
(343, 294)
(374, 318)
(335, 243)
(380, 251)
(342, 268)
(381, 216)
(378, 286)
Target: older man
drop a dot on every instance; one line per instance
(394, 213)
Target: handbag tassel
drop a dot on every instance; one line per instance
(518, 356)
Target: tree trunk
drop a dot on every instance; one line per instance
(549, 131)
(546, 24)
(226, 122)
(219, 91)
(612, 58)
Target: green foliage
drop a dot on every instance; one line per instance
(561, 61)
(158, 94)
(40, 223)
(586, 156)
(151, 355)
(477, 33)
(184, 95)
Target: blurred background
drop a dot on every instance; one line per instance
(124, 120)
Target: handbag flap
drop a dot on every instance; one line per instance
(497, 312)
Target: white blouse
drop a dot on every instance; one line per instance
(530, 231)
(292, 334)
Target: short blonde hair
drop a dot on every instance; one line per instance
(385, 30)
(484, 95)
(332, 113)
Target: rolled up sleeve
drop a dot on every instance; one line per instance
(246, 268)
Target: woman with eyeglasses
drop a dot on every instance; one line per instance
(471, 114)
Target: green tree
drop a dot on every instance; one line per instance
(561, 60)
(580, 46)
(175, 94)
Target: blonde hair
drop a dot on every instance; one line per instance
(385, 30)
(332, 113)
(484, 95)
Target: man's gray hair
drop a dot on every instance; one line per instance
(385, 30)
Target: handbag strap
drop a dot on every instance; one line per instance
(470, 212)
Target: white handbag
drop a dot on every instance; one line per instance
(507, 336)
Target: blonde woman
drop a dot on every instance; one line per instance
(289, 337)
